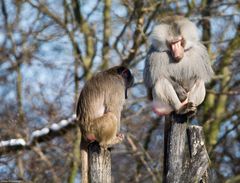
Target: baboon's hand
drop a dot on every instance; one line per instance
(119, 138)
(189, 109)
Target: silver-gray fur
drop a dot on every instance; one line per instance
(193, 68)
(194, 65)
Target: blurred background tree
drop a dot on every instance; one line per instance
(48, 49)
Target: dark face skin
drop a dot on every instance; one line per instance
(128, 77)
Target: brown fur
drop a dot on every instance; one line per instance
(99, 110)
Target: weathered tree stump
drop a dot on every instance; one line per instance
(99, 164)
(196, 171)
(184, 163)
(174, 143)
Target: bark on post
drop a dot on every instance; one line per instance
(184, 163)
(99, 164)
(174, 142)
(199, 159)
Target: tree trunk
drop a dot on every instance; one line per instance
(174, 139)
(196, 169)
(100, 164)
(183, 163)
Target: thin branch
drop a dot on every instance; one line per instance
(141, 157)
(224, 93)
(45, 10)
(93, 10)
(224, 136)
(37, 136)
(138, 33)
(123, 30)
(44, 158)
(106, 33)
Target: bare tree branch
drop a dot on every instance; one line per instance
(37, 136)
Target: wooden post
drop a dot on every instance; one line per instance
(183, 163)
(99, 164)
(199, 159)
(174, 143)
